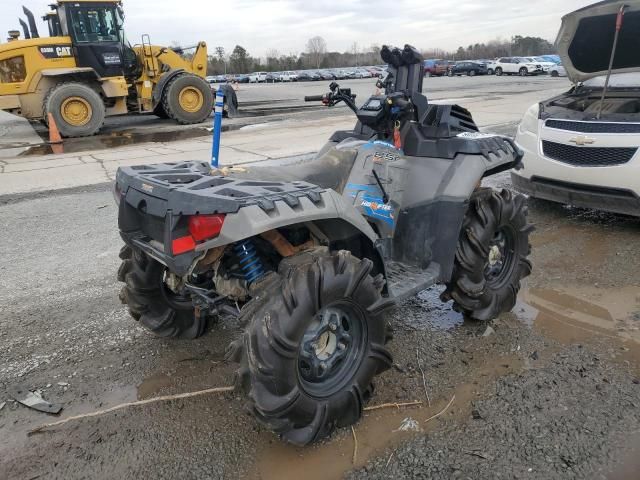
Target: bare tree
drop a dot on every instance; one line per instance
(317, 49)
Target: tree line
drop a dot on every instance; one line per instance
(317, 55)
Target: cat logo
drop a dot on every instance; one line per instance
(63, 51)
(56, 51)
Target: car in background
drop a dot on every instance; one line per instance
(308, 76)
(557, 71)
(326, 75)
(376, 72)
(491, 66)
(517, 66)
(287, 76)
(552, 58)
(258, 77)
(436, 68)
(241, 78)
(362, 73)
(271, 77)
(579, 148)
(470, 69)
(545, 64)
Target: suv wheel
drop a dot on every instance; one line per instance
(490, 71)
(523, 72)
(499, 72)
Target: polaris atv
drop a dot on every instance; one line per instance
(310, 256)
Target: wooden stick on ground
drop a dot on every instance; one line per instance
(424, 380)
(392, 405)
(355, 445)
(443, 410)
(132, 404)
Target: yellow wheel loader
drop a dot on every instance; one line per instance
(86, 70)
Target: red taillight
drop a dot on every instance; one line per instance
(183, 245)
(201, 227)
(204, 227)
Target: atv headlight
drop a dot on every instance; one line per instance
(530, 120)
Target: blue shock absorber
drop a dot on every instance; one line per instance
(249, 261)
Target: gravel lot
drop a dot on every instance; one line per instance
(551, 391)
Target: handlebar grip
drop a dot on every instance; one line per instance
(314, 98)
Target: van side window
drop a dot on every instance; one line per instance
(13, 70)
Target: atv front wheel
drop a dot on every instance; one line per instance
(491, 257)
(151, 302)
(314, 341)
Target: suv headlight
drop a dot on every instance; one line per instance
(530, 120)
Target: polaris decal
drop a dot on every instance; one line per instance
(381, 157)
(55, 51)
(375, 207)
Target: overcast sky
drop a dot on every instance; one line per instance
(259, 25)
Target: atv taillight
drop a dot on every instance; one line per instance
(204, 227)
(201, 227)
(183, 245)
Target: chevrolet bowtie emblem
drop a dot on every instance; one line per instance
(582, 140)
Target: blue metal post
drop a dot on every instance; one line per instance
(217, 128)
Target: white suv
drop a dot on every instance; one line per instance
(579, 150)
(517, 66)
(258, 77)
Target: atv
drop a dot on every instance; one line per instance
(310, 256)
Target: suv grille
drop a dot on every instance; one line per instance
(587, 156)
(594, 127)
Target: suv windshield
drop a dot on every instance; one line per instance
(95, 25)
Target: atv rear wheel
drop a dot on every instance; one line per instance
(491, 257)
(313, 343)
(150, 300)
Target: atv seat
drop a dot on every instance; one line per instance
(330, 171)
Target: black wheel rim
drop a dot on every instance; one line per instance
(332, 348)
(501, 258)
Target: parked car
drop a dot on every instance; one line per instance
(546, 64)
(271, 77)
(436, 68)
(376, 72)
(580, 149)
(258, 77)
(308, 76)
(241, 78)
(558, 71)
(326, 75)
(552, 58)
(517, 66)
(287, 76)
(470, 69)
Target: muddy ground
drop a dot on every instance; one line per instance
(551, 392)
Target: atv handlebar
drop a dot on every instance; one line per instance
(335, 96)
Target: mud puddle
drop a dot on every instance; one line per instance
(128, 137)
(378, 430)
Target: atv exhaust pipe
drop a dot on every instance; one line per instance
(32, 22)
(25, 30)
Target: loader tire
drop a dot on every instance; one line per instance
(150, 301)
(314, 340)
(159, 111)
(491, 257)
(77, 109)
(187, 99)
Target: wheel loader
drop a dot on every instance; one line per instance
(86, 70)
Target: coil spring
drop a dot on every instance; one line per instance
(250, 263)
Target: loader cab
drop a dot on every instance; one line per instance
(97, 36)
